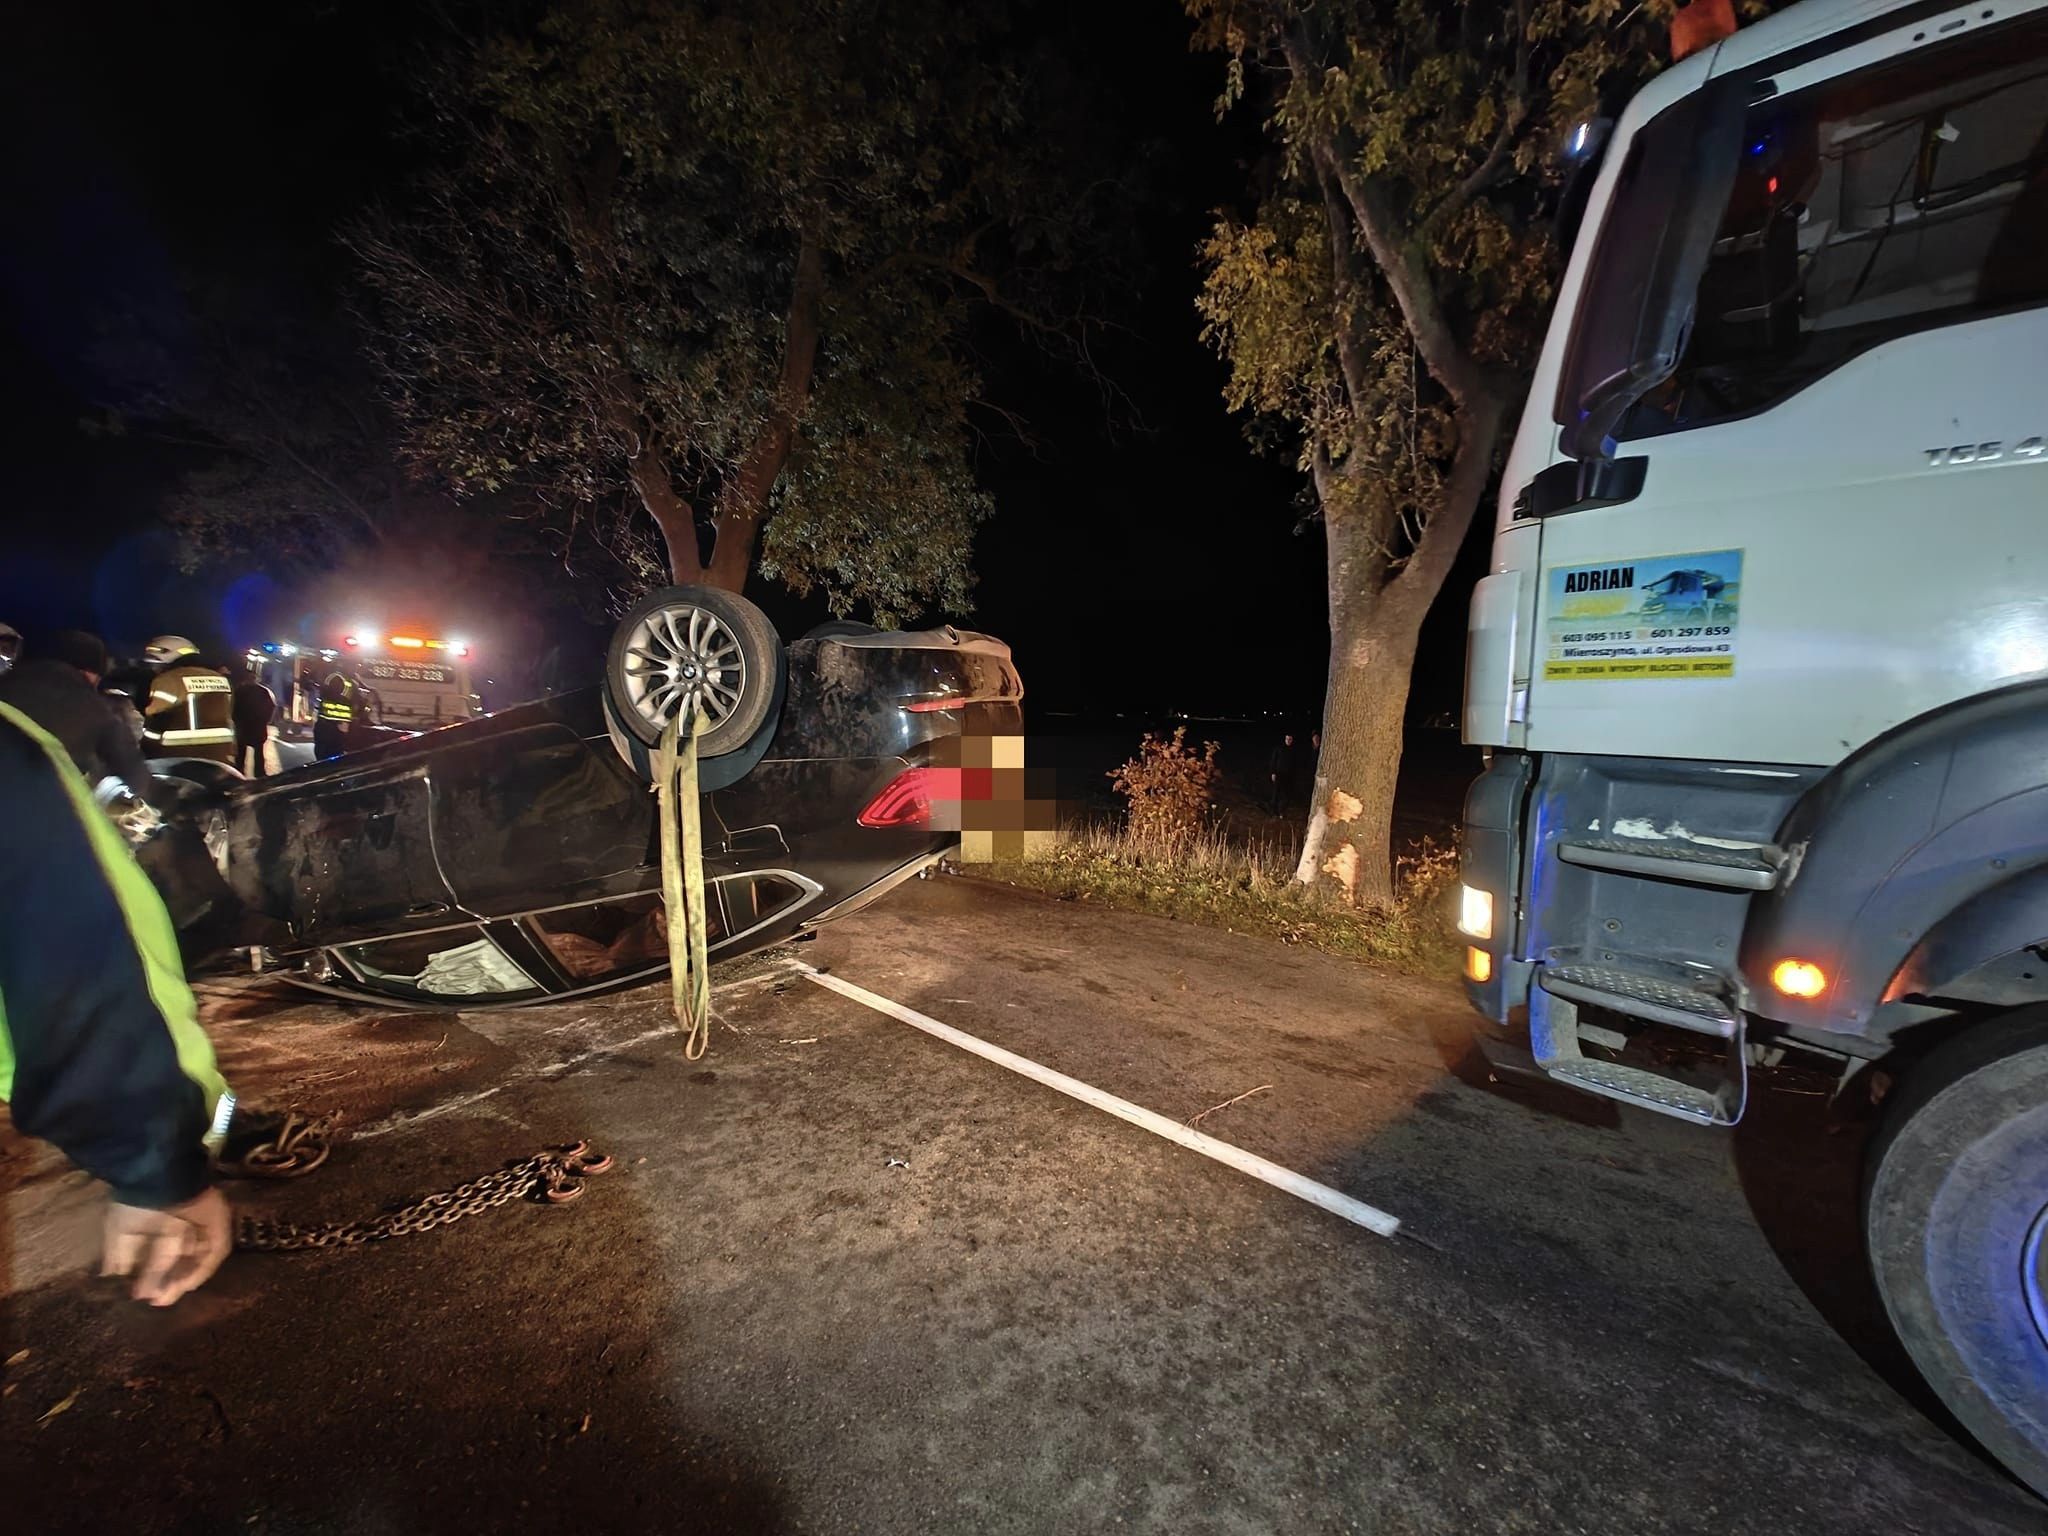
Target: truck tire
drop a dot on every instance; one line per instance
(714, 647)
(1955, 1219)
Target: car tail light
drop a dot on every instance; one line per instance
(907, 801)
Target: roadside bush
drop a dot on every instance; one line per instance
(1168, 789)
(1249, 887)
(1424, 878)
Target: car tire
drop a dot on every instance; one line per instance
(1955, 1219)
(712, 648)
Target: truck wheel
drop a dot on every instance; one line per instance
(696, 645)
(1955, 1216)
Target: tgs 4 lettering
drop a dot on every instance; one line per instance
(1984, 453)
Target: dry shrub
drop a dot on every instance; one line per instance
(1424, 877)
(1168, 788)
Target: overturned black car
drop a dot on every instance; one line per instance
(514, 858)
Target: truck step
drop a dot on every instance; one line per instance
(1556, 1035)
(1649, 1090)
(1733, 869)
(1642, 996)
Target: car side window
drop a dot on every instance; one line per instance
(448, 962)
(601, 940)
(751, 900)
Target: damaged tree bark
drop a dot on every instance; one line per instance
(1387, 561)
(1375, 624)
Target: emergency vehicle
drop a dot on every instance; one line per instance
(416, 681)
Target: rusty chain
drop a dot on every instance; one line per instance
(298, 1145)
(554, 1175)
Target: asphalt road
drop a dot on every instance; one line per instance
(848, 1278)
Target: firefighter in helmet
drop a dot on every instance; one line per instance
(340, 699)
(189, 708)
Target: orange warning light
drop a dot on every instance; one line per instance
(1799, 978)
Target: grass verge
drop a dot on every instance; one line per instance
(1250, 889)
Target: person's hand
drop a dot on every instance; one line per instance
(170, 1251)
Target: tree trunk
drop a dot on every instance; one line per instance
(743, 504)
(1375, 625)
(674, 516)
(1372, 652)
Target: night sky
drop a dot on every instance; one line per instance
(1147, 569)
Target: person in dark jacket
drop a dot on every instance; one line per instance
(335, 714)
(255, 708)
(1280, 774)
(100, 1047)
(58, 688)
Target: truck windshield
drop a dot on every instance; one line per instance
(1907, 195)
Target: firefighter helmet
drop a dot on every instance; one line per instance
(165, 649)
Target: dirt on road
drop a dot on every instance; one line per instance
(845, 1277)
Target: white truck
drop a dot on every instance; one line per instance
(1761, 663)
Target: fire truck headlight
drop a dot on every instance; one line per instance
(1475, 912)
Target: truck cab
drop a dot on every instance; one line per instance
(1761, 661)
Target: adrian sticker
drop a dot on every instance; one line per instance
(1667, 616)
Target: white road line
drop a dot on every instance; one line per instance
(405, 1121)
(1267, 1172)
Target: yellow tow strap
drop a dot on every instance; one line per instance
(682, 884)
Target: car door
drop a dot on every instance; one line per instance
(341, 855)
(537, 817)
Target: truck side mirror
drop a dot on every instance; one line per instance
(1641, 290)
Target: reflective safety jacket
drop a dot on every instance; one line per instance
(338, 699)
(100, 1047)
(189, 712)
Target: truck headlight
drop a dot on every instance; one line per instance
(1475, 912)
